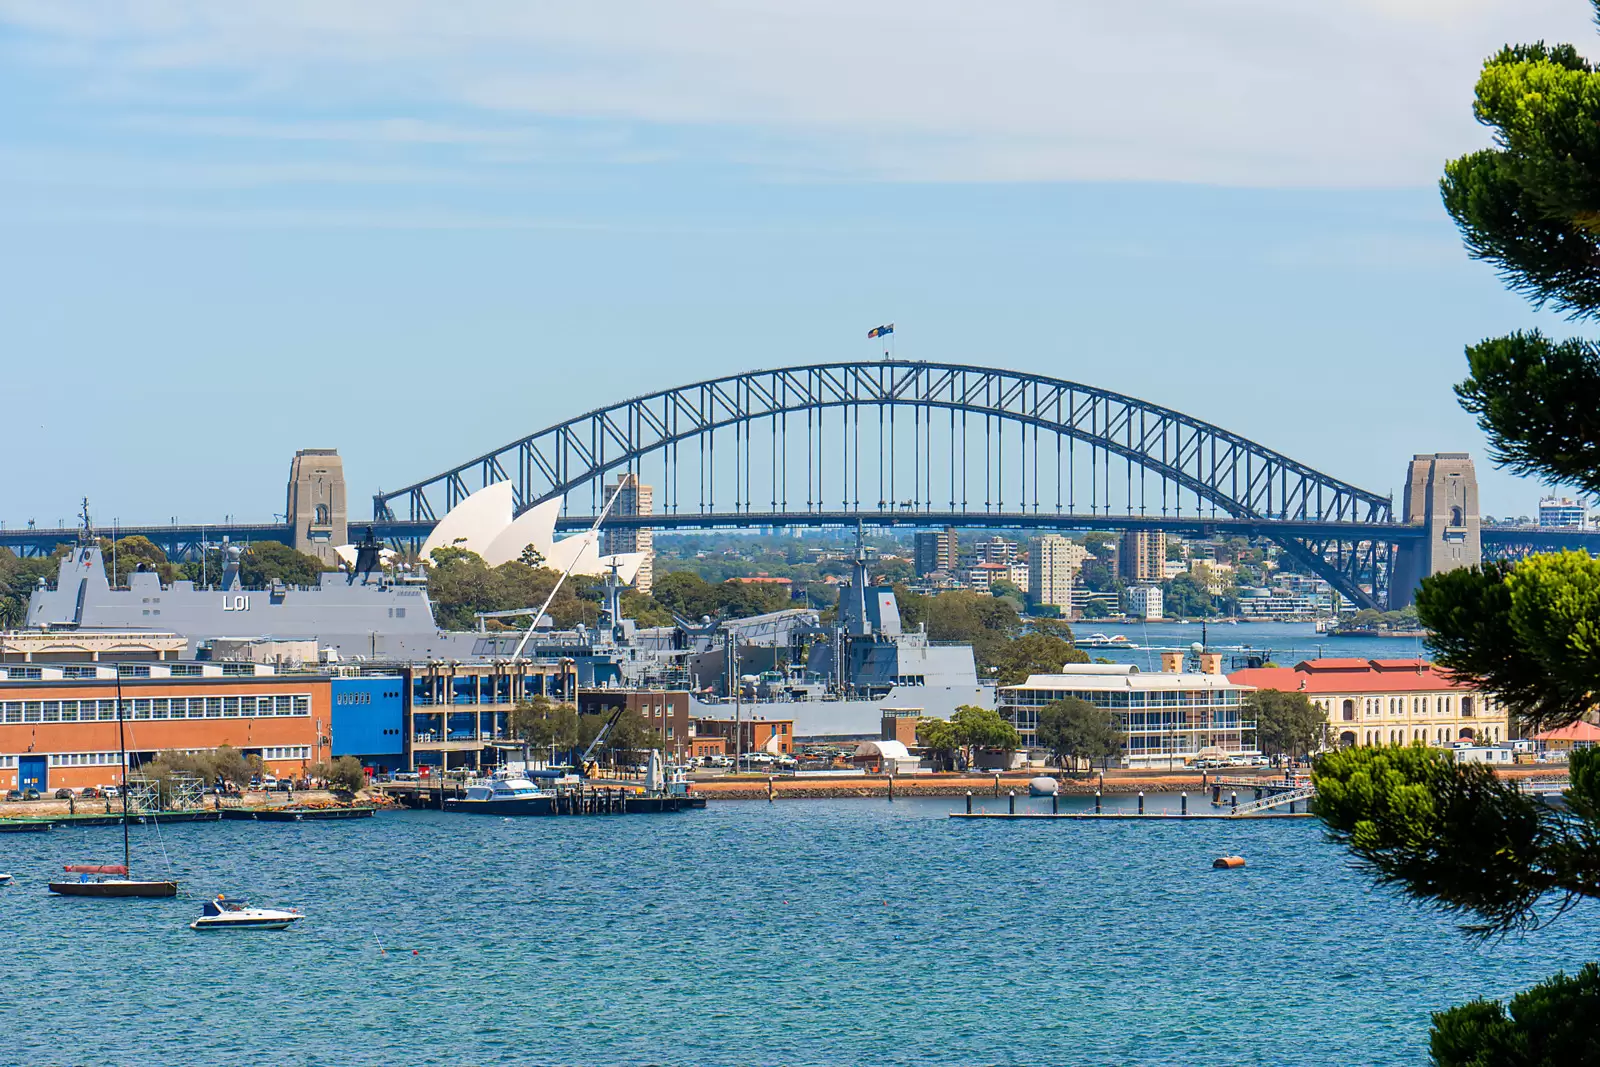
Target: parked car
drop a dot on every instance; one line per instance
(89, 792)
(30, 794)
(406, 776)
(1208, 763)
(64, 793)
(110, 792)
(284, 785)
(13, 795)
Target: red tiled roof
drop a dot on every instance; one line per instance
(1578, 731)
(1351, 676)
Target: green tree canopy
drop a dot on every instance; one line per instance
(544, 724)
(132, 554)
(1033, 653)
(941, 739)
(1075, 729)
(1287, 724)
(983, 728)
(1452, 834)
(1548, 1025)
(18, 578)
(1458, 837)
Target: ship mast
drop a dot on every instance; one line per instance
(122, 745)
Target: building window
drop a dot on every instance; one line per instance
(1466, 707)
(1349, 711)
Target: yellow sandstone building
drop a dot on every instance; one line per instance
(1387, 701)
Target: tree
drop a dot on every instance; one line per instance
(1548, 1024)
(1187, 598)
(545, 725)
(18, 578)
(1453, 834)
(132, 554)
(1075, 729)
(344, 773)
(942, 740)
(1005, 587)
(1287, 724)
(1033, 653)
(684, 592)
(983, 728)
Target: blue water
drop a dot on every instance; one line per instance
(806, 932)
(1288, 642)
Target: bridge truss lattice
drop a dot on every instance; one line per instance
(891, 441)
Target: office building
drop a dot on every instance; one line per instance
(1168, 717)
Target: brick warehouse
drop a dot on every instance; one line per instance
(58, 724)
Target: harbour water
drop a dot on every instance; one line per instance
(803, 932)
(1289, 642)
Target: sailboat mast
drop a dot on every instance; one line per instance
(122, 745)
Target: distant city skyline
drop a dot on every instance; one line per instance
(237, 232)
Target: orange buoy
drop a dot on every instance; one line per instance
(1227, 863)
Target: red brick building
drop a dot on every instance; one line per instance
(757, 733)
(58, 724)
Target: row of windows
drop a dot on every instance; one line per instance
(1156, 698)
(286, 752)
(1440, 736)
(1374, 706)
(8, 763)
(240, 707)
(84, 759)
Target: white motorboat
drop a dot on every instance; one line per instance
(510, 794)
(5, 879)
(225, 914)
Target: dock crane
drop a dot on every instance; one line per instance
(586, 766)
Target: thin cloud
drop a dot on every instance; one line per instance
(1237, 92)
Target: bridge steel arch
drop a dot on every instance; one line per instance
(1218, 470)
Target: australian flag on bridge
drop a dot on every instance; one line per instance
(881, 331)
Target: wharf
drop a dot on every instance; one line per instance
(611, 799)
(1133, 816)
(45, 822)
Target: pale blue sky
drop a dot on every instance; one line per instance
(417, 231)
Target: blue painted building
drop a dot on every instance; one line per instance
(369, 720)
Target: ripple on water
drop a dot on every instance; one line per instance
(807, 932)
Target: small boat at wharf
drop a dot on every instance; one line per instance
(225, 914)
(511, 795)
(5, 879)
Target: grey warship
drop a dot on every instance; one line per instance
(832, 680)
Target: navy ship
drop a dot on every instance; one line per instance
(832, 680)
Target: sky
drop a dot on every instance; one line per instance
(417, 231)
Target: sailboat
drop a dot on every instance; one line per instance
(107, 879)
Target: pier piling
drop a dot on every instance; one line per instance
(1141, 802)
(1012, 802)
(1234, 797)
(969, 802)
(1055, 802)
(1097, 802)
(1183, 803)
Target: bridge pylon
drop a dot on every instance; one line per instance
(1441, 495)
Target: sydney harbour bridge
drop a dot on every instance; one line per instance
(923, 445)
